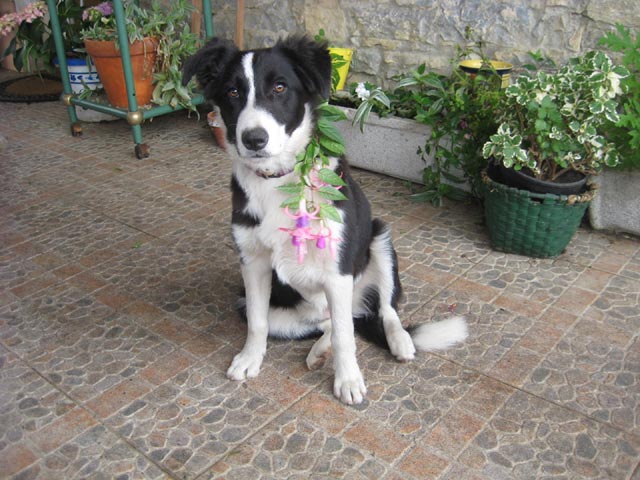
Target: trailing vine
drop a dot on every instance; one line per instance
(310, 200)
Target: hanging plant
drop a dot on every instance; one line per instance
(311, 200)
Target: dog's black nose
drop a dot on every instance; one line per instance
(255, 139)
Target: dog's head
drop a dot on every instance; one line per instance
(266, 97)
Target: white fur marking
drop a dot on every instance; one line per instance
(247, 66)
(400, 342)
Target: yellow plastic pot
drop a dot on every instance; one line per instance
(343, 71)
(503, 69)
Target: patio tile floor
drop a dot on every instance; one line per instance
(118, 279)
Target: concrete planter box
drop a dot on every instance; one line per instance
(388, 145)
(617, 204)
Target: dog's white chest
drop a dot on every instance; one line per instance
(285, 257)
(269, 238)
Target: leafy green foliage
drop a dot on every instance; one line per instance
(170, 25)
(33, 43)
(460, 111)
(317, 182)
(337, 61)
(553, 122)
(372, 97)
(626, 132)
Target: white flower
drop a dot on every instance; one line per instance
(362, 92)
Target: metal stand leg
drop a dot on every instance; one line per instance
(64, 71)
(134, 116)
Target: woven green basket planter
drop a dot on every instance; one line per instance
(531, 224)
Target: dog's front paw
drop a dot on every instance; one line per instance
(349, 389)
(245, 365)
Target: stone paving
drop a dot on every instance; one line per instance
(118, 279)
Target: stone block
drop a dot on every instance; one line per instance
(388, 145)
(617, 204)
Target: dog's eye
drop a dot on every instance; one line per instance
(279, 87)
(232, 92)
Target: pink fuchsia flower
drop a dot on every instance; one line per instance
(324, 236)
(304, 231)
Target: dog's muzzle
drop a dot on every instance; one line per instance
(255, 139)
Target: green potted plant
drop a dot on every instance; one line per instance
(460, 111)
(617, 205)
(159, 37)
(32, 45)
(452, 116)
(550, 133)
(388, 143)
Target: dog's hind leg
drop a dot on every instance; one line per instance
(399, 340)
(375, 308)
(321, 350)
(385, 266)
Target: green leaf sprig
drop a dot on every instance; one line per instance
(319, 186)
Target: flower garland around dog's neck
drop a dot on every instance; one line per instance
(310, 201)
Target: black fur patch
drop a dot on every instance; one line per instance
(370, 326)
(239, 203)
(282, 294)
(378, 227)
(357, 225)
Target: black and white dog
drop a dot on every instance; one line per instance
(267, 99)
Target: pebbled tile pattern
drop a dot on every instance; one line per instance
(118, 283)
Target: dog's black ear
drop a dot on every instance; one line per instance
(311, 61)
(208, 63)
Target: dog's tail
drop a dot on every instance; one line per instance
(427, 337)
(430, 337)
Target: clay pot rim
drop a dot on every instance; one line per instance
(108, 48)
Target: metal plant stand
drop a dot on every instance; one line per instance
(134, 115)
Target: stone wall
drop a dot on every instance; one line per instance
(394, 36)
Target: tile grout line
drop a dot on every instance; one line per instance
(537, 396)
(80, 405)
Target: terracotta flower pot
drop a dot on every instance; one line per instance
(109, 64)
(218, 129)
